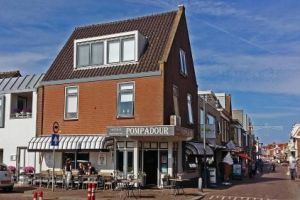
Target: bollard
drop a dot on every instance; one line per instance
(41, 195)
(34, 197)
(89, 191)
(93, 197)
(200, 184)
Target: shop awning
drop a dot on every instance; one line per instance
(245, 156)
(197, 148)
(68, 142)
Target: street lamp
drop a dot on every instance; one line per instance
(204, 139)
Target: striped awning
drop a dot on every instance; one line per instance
(197, 148)
(68, 142)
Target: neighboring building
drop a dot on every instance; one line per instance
(125, 97)
(294, 143)
(247, 137)
(276, 151)
(225, 116)
(18, 103)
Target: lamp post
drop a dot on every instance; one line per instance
(204, 139)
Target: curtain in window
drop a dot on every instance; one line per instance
(190, 111)
(175, 100)
(97, 53)
(83, 55)
(125, 101)
(113, 51)
(72, 102)
(128, 49)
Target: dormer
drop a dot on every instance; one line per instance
(108, 50)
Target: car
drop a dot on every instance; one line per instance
(6, 178)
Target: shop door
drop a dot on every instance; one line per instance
(150, 167)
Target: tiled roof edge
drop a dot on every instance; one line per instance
(123, 20)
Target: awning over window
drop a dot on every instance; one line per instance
(197, 148)
(68, 142)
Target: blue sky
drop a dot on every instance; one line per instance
(249, 49)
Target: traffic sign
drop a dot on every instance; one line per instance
(54, 139)
(55, 127)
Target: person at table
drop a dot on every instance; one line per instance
(68, 170)
(90, 169)
(81, 169)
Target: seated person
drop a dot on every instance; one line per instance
(81, 169)
(90, 170)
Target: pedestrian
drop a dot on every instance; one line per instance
(90, 169)
(81, 169)
(68, 170)
(292, 167)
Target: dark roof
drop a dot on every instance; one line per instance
(21, 83)
(155, 28)
(10, 74)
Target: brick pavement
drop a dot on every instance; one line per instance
(269, 186)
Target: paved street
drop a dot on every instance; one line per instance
(270, 186)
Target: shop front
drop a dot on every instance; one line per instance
(96, 149)
(153, 152)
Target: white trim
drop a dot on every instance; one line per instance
(105, 39)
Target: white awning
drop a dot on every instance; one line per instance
(197, 148)
(68, 142)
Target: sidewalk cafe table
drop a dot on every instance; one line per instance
(177, 185)
(128, 185)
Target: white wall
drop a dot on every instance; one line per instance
(17, 133)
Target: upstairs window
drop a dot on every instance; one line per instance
(183, 66)
(125, 99)
(2, 108)
(190, 110)
(71, 102)
(175, 100)
(109, 49)
(90, 54)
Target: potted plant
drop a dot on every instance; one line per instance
(28, 170)
(12, 169)
(28, 112)
(16, 111)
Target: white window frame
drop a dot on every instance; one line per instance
(65, 104)
(118, 98)
(183, 63)
(106, 39)
(190, 109)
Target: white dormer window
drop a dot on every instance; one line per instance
(108, 50)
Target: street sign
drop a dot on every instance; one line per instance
(55, 127)
(54, 139)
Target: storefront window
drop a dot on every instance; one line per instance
(163, 161)
(76, 158)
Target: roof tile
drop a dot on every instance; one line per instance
(155, 28)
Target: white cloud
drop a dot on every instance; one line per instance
(20, 61)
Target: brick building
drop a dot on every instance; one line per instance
(125, 96)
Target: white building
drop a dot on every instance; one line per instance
(18, 105)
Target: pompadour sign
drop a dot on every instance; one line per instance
(141, 131)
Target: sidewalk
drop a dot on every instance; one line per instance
(190, 194)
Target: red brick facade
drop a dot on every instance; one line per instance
(153, 103)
